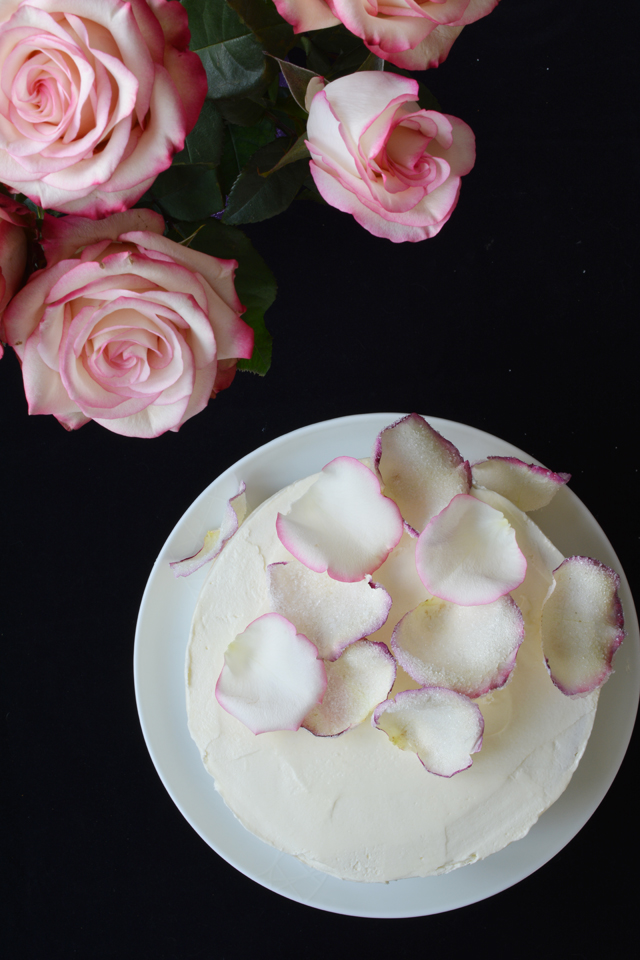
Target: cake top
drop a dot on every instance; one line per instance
(459, 643)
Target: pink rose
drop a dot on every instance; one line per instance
(125, 327)
(377, 155)
(411, 34)
(96, 96)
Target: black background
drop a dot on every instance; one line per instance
(518, 319)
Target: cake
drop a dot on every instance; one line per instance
(355, 805)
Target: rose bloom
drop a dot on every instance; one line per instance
(411, 34)
(125, 327)
(96, 96)
(377, 155)
(13, 251)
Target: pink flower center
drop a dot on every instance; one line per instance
(123, 350)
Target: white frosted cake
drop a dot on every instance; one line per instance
(356, 805)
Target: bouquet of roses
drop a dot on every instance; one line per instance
(136, 136)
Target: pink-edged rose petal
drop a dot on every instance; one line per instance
(419, 469)
(469, 649)
(541, 555)
(271, 677)
(343, 524)
(214, 540)
(526, 485)
(356, 683)
(582, 625)
(468, 554)
(439, 725)
(329, 612)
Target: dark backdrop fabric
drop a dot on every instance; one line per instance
(520, 318)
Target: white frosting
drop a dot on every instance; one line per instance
(355, 805)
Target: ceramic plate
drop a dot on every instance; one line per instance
(161, 640)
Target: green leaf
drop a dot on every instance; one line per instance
(297, 80)
(333, 52)
(274, 33)
(298, 151)
(372, 63)
(245, 112)
(240, 144)
(231, 54)
(256, 197)
(204, 143)
(284, 121)
(349, 62)
(186, 192)
(254, 280)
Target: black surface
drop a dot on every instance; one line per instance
(520, 318)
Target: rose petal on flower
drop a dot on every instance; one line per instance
(331, 613)
(356, 683)
(342, 524)
(315, 85)
(429, 53)
(215, 540)
(386, 226)
(441, 726)
(477, 9)
(306, 15)
(271, 676)
(174, 23)
(234, 337)
(410, 34)
(16, 213)
(362, 99)
(325, 140)
(582, 625)
(156, 418)
(526, 485)
(468, 554)
(399, 32)
(25, 312)
(224, 375)
(457, 144)
(420, 470)
(65, 237)
(44, 390)
(450, 11)
(468, 649)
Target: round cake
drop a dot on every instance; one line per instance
(355, 805)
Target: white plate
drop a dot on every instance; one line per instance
(161, 639)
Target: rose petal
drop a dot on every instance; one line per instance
(330, 612)
(419, 469)
(526, 485)
(215, 540)
(342, 524)
(356, 683)
(442, 727)
(582, 625)
(468, 554)
(468, 649)
(271, 676)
